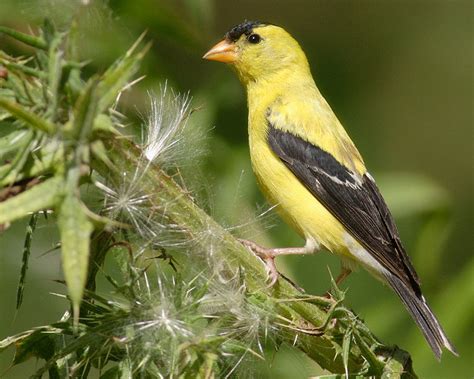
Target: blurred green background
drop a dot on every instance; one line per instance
(399, 75)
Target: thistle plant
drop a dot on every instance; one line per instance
(188, 300)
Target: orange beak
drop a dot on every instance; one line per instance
(224, 51)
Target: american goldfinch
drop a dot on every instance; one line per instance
(307, 165)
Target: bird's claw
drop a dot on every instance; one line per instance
(272, 272)
(267, 257)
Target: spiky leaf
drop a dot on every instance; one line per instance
(25, 259)
(28, 117)
(118, 75)
(27, 39)
(75, 230)
(42, 196)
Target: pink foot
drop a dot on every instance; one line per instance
(268, 257)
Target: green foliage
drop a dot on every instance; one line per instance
(25, 259)
(25, 38)
(71, 132)
(41, 196)
(189, 299)
(75, 230)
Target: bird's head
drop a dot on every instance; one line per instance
(259, 50)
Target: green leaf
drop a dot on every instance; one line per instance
(103, 123)
(346, 348)
(25, 38)
(75, 230)
(15, 167)
(59, 328)
(25, 258)
(38, 344)
(28, 117)
(48, 31)
(85, 112)
(43, 161)
(14, 140)
(12, 66)
(21, 87)
(99, 152)
(13, 340)
(116, 77)
(54, 74)
(74, 84)
(41, 196)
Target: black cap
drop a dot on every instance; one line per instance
(244, 28)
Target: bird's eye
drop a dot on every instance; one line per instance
(254, 38)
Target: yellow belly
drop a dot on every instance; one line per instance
(297, 206)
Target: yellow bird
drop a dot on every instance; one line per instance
(307, 165)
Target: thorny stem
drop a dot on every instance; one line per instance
(367, 355)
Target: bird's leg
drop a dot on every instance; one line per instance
(268, 256)
(345, 272)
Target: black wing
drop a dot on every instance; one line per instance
(356, 203)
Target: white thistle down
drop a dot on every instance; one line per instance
(209, 304)
(126, 202)
(165, 127)
(163, 135)
(172, 319)
(246, 321)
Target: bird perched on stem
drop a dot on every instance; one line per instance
(306, 163)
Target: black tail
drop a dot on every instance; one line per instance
(423, 316)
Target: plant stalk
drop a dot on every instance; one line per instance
(323, 345)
